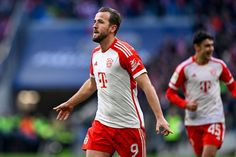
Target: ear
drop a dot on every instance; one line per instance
(113, 28)
(196, 47)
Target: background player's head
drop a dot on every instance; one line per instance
(200, 36)
(203, 45)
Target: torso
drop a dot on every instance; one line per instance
(201, 83)
(118, 105)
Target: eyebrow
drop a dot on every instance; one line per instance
(99, 20)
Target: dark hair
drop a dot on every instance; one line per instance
(115, 17)
(201, 35)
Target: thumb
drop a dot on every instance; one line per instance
(57, 107)
(157, 129)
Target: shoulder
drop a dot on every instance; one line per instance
(127, 45)
(184, 64)
(219, 61)
(96, 49)
(123, 48)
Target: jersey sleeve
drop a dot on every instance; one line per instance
(227, 77)
(91, 63)
(174, 98)
(135, 65)
(232, 88)
(177, 79)
(131, 61)
(91, 69)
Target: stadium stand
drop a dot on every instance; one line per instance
(45, 47)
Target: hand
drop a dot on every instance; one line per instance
(192, 106)
(64, 110)
(163, 125)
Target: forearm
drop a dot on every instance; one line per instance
(150, 92)
(87, 89)
(174, 98)
(232, 88)
(153, 100)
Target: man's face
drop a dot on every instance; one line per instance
(101, 26)
(205, 49)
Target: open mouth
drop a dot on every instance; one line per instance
(95, 32)
(208, 54)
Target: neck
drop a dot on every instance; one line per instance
(106, 43)
(200, 60)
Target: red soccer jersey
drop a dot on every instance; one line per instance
(115, 71)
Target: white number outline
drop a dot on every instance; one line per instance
(214, 129)
(134, 149)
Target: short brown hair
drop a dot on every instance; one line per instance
(115, 17)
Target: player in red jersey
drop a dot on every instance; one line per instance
(115, 71)
(199, 77)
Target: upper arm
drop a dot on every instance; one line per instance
(91, 84)
(177, 79)
(226, 75)
(143, 81)
(129, 59)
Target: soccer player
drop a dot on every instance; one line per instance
(115, 71)
(199, 77)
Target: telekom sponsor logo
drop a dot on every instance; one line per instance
(205, 86)
(102, 79)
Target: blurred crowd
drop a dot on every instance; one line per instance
(216, 16)
(6, 10)
(216, 11)
(27, 132)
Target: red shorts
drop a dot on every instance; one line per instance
(209, 134)
(128, 142)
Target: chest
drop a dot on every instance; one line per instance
(198, 73)
(107, 63)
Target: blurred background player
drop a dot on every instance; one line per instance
(116, 70)
(199, 77)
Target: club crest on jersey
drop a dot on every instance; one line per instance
(109, 62)
(213, 72)
(134, 64)
(193, 75)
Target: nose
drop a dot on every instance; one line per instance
(95, 25)
(212, 48)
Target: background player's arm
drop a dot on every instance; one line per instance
(227, 77)
(174, 98)
(145, 84)
(232, 88)
(87, 89)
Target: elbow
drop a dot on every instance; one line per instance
(168, 94)
(232, 88)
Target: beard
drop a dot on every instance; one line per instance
(100, 37)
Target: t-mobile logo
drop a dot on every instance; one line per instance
(102, 79)
(205, 86)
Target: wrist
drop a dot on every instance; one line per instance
(160, 116)
(71, 104)
(184, 104)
